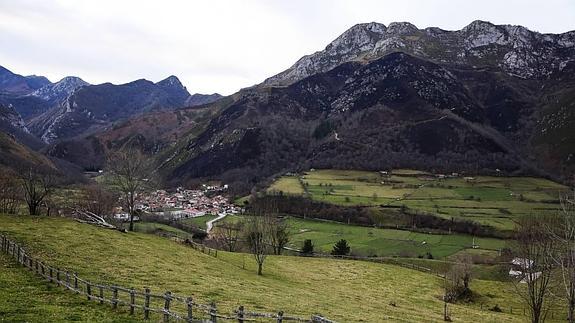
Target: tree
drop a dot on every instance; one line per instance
(457, 280)
(307, 248)
(534, 249)
(10, 193)
(130, 173)
(341, 248)
(97, 200)
(278, 233)
(563, 233)
(37, 185)
(228, 234)
(255, 236)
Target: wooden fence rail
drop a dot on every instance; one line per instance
(167, 305)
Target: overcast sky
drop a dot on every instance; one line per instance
(220, 45)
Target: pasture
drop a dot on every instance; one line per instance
(490, 200)
(346, 291)
(367, 241)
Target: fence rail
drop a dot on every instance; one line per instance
(167, 305)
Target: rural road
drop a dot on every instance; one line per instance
(210, 224)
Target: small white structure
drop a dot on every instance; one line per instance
(522, 263)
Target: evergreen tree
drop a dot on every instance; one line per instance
(307, 248)
(341, 248)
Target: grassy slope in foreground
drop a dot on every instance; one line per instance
(26, 298)
(346, 291)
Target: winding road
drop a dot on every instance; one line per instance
(210, 224)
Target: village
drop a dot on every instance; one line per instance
(185, 203)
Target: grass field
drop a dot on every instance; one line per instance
(494, 201)
(158, 228)
(200, 221)
(26, 298)
(347, 291)
(386, 242)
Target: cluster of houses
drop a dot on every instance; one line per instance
(184, 203)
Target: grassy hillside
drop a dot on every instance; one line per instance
(26, 298)
(347, 291)
(490, 200)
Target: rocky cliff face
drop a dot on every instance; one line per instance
(514, 50)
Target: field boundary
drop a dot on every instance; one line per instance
(168, 305)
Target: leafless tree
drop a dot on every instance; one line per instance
(278, 233)
(10, 193)
(97, 200)
(228, 234)
(255, 233)
(563, 232)
(130, 173)
(37, 185)
(457, 279)
(534, 247)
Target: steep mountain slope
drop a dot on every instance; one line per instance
(15, 156)
(484, 98)
(156, 133)
(18, 84)
(91, 108)
(12, 124)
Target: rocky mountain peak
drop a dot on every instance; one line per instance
(171, 81)
(513, 49)
(401, 28)
(59, 90)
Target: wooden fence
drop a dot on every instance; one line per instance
(167, 306)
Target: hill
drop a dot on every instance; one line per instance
(347, 291)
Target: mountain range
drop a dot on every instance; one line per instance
(484, 99)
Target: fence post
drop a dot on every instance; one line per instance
(241, 314)
(167, 299)
(147, 304)
(67, 279)
(43, 269)
(18, 255)
(76, 282)
(37, 269)
(132, 301)
(31, 263)
(101, 288)
(213, 312)
(190, 305)
(58, 276)
(114, 297)
(280, 316)
(89, 291)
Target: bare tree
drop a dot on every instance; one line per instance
(278, 233)
(37, 185)
(458, 278)
(534, 249)
(228, 234)
(130, 173)
(563, 232)
(97, 200)
(10, 193)
(255, 232)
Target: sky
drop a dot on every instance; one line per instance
(220, 45)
